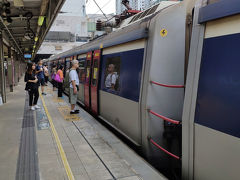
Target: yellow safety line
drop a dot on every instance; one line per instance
(59, 145)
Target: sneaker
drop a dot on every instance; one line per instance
(32, 108)
(44, 93)
(36, 107)
(73, 112)
(76, 110)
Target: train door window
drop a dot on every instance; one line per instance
(68, 65)
(95, 73)
(82, 71)
(112, 73)
(88, 69)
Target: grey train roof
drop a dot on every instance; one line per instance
(134, 31)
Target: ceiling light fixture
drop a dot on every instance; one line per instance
(40, 20)
(18, 3)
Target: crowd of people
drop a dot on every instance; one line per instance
(38, 75)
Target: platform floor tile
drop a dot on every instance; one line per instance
(89, 147)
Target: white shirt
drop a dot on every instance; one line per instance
(111, 79)
(73, 76)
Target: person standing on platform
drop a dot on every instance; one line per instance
(40, 76)
(54, 72)
(32, 86)
(74, 86)
(46, 74)
(60, 84)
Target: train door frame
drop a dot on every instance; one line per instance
(87, 84)
(67, 59)
(65, 65)
(95, 84)
(82, 59)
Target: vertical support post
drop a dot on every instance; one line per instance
(2, 70)
(10, 69)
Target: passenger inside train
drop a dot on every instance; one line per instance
(111, 78)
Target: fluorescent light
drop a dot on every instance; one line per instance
(40, 20)
(18, 3)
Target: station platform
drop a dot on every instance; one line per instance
(51, 144)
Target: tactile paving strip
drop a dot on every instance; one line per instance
(65, 112)
(57, 99)
(27, 166)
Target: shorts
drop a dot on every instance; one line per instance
(41, 81)
(72, 97)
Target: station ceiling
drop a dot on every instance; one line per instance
(26, 22)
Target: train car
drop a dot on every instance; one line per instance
(211, 126)
(176, 91)
(133, 81)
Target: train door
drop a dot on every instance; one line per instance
(87, 93)
(94, 81)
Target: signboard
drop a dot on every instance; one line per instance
(27, 56)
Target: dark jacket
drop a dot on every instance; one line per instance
(30, 85)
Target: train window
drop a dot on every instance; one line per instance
(80, 56)
(95, 73)
(82, 64)
(112, 73)
(82, 71)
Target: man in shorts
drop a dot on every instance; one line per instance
(40, 75)
(74, 86)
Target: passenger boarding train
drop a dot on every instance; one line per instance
(168, 80)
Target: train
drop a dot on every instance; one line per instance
(176, 87)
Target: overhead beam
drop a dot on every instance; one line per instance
(17, 27)
(19, 17)
(9, 32)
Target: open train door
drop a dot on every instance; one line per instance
(95, 81)
(87, 93)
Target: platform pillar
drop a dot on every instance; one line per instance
(2, 71)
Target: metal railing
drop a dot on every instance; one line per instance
(166, 85)
(164, 150)
(164, 118)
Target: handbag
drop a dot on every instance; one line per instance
(57, 78)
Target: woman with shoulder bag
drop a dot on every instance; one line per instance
(32, 86)
(54, 72)
(59, 80)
